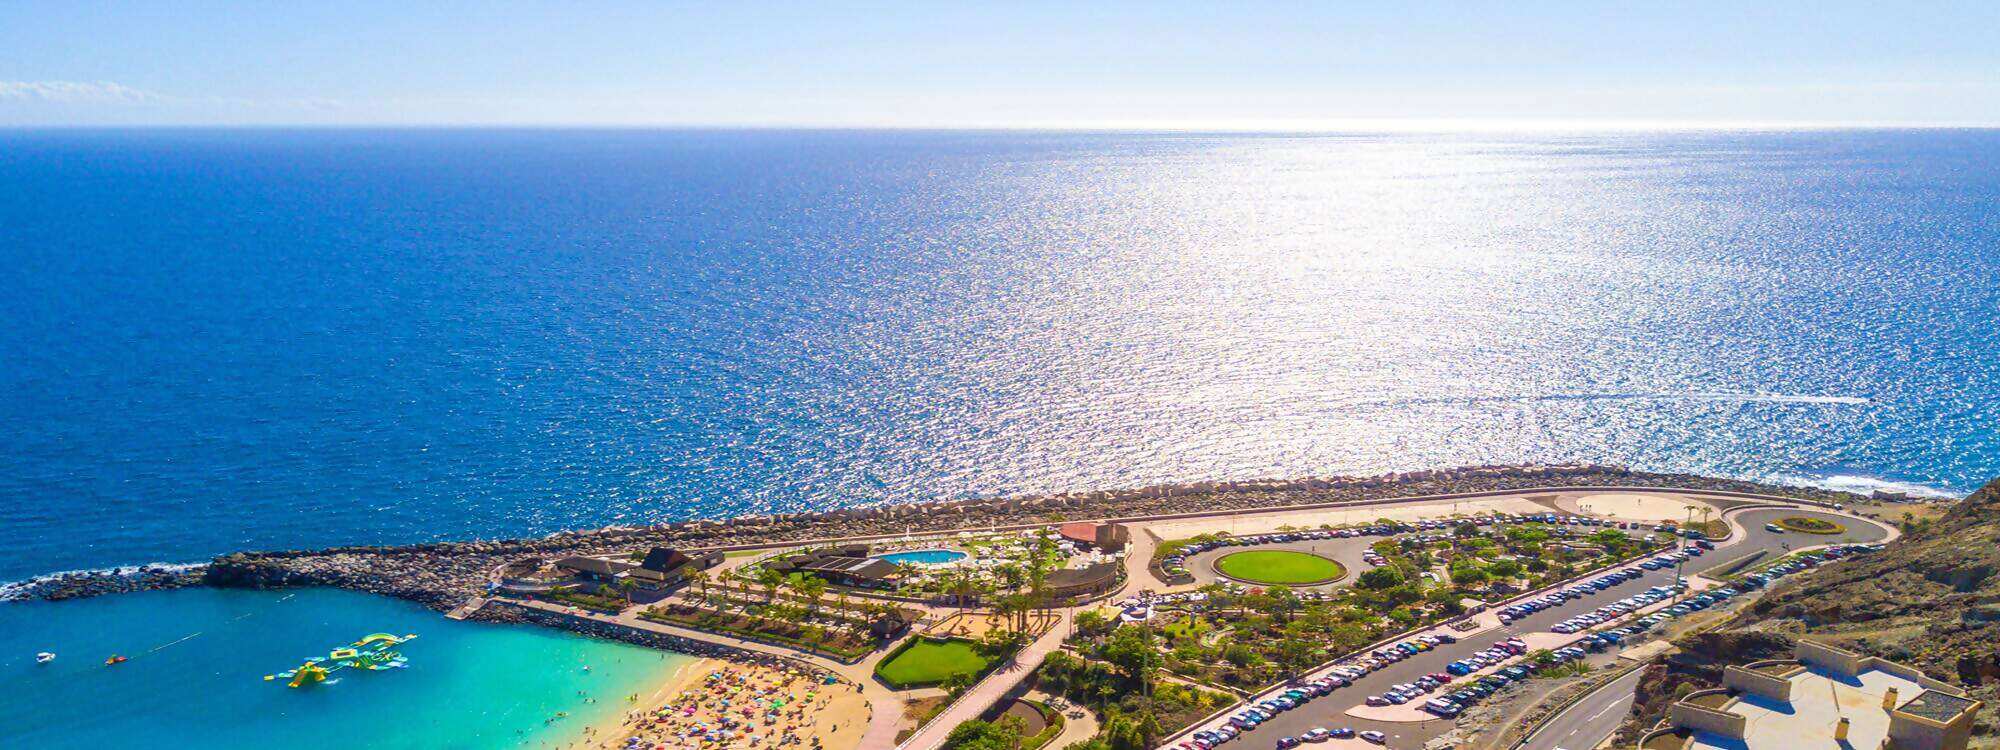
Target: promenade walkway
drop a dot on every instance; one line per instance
(990, 690)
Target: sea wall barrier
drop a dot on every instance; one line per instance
(507, 612)
(443, 574)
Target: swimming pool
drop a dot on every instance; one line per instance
(923, 556)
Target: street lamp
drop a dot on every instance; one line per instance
(1681, 566)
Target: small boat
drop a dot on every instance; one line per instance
(45, 657)
(115, 659)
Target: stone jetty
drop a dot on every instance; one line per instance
(443, 575)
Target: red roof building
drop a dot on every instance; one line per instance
(1109, 537)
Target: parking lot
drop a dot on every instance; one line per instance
(1641, 587)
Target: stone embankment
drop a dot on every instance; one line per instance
(86, 583)
(503, 612)
(441, 575)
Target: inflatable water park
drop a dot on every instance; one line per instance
(374, 652)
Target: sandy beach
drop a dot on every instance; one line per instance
(717, 705)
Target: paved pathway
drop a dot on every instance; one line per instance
(1079, 723)
(989, 691)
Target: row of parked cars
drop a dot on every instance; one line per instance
(1303, 693)
(1454, 702)
(1487, 657)
(1527, 607)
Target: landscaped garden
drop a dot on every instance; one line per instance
(1809, 525)
(844, 643)
(1278, 567)
(924, 662)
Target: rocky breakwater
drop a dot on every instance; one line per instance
(84, 583)
(443, 575)
(440, 576)
(504, 612)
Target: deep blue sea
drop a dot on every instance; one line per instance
(213, 340)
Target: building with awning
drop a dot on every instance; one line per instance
(1109, 537)
(1084, 582)
(862, 572)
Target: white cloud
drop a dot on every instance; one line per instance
(77, 92)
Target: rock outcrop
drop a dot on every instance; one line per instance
(1928, 600)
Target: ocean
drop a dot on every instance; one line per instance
(193, 679)
(214, 340)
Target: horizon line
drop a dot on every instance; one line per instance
(1392, 125)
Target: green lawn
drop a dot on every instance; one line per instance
(1278, 566)
(928, 662)
(1809, 525)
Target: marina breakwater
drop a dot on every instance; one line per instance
(445, 574)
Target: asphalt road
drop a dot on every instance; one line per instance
(1331, 711)
(1590, 720)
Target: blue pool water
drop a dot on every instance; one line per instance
(924, 556)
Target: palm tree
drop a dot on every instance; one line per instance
(698, 580)
(770, 580)
(625, 586)
(961, 586)
(1005, 608)
(1039, 569)
(812, 588)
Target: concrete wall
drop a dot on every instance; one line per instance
(1909, 732)
(1849, 663)
(1838, 660)
(1757, 683)
(1690, 716)
(1914, 675)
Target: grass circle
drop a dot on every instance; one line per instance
(1274, 567)
(1809, 525)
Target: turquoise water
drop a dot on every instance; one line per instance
(924, 556)
(194, 680)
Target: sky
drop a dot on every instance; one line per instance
(1159, 64)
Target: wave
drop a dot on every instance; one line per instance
(1864, 485)
(14, 590)
(1772, 398)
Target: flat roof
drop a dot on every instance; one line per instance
(1068, 577)
(1820, 699)
(1937, 706)
(866, 567)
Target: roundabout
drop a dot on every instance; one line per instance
(1279, 567)
(1810, 525)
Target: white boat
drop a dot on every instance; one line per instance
(44, 657)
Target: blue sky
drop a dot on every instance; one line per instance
(1014, 64)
